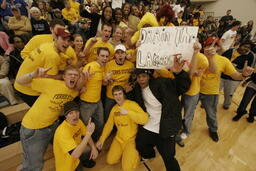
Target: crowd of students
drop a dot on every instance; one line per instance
(77, 59)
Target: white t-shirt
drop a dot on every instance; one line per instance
(117, 3)
(154, 109)
(177, 9)
(229, 38)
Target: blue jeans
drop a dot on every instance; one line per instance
(94, 111)
(189, 103)
(209, 102)
(109, 103)
(34, 143)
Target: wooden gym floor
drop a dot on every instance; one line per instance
(236, 150)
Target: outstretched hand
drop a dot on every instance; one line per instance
(247, 70)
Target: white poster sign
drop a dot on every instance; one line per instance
(159, 45)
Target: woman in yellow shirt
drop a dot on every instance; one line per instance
(125, 115)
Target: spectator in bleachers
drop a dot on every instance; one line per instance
(97, 20)
(56, 14)
(69, 13)
(118, 16)
(129, 19)
(228, 18)
(15, 57)
(245, 31)
(117, 4)
(6, 88)
(20, 24)
(83, 28)
(93, 44)
(78, 46)
(117, 36)
(44, 13)
(39, 26)
(57, 4)
(7, 5)
(135, 11)
(165, 16)
(6, 46)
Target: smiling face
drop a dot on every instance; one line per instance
(78, 42)
(243, 49)
(71, 77)
(73, 117)
(36, 14)
(107, 13)
(118, 15)
(126, 9)
(62, 43)
(119, 97)
(118, 34)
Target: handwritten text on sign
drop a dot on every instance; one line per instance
(160, 44)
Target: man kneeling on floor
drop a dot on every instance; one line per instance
(68, 145)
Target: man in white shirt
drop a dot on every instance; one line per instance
(159, 97)
(228, 38)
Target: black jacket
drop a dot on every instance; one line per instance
(238, 62)
(167, 92)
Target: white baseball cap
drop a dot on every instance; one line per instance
(120, 47)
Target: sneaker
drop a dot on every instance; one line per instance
(250, 119)
(214, 136)
(88, 163)
(237, 117)
(183, 135)
(180, 143)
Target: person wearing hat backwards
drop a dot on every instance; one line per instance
(126, 115)
(39, 123)
(159, 97)
(210, 82)
(47, 55)
(71, 138)
(119, 70)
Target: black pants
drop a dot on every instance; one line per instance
(247, 97)
(30, 100)
(147, 140)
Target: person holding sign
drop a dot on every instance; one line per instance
(160, 98)
(125, 115)
(210, 82)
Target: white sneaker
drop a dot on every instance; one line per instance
(183, 135)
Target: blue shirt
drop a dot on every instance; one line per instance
(21, 4)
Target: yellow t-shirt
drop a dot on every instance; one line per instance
(47, 108)
(120, 74)
(127, 125)
(38, 40)
(235, 55)
(163, 73)
(70, 14)
(75, 5)
(45, 56)
(132, 53)
(93, 85)
(92, 56)
(202, 64)
(210, 82)
(66, 138)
